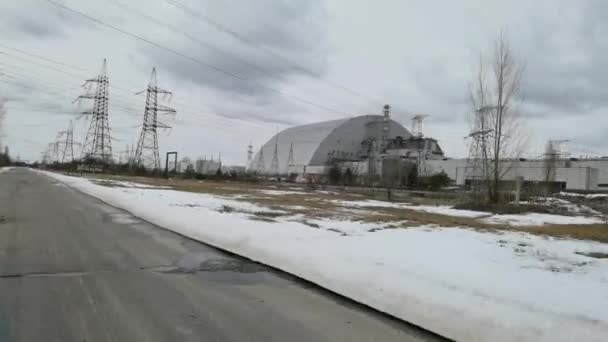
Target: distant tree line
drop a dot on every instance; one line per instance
(5, 158)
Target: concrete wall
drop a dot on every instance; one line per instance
(602, 170)
(578, 175)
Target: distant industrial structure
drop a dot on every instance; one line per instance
(368, 150)
(376, 150)
(567, 173)
(371, 148)
(208, 167)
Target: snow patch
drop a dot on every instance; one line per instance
(5, 169)
(447, 210)
(538, 219)
(368, 203)
(528, 219)
(589, 196)
(126, 184)
(280, 192)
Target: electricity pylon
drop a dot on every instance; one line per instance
(478, 163)
(290, 160)
(147, 154)
(249, 155)
(274, 164)
(97, 147)
(68, 144)
(261, 164)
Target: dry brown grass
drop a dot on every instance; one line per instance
(315, 204)
(594, 232)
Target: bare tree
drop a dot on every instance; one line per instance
(494, 97)
(4, 156)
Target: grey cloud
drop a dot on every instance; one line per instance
(11, 97)
(34, 27)
(279, 28)
(415, 73)
(250, 115)
(570, 78)
(39, 20)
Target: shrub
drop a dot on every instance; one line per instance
(335, 175)
(438, 181)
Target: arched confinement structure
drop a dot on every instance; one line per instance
(315, 145)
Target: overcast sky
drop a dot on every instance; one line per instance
(250, 68)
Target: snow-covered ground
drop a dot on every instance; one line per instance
(132, 184)
(281, 192)
(588, 196)
(5, 169)
(528, 219)
(538, 219)
(463, 284)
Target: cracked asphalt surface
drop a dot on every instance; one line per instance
(75, 269)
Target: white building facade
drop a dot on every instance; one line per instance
(586, 174)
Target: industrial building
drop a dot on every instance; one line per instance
(377, 150)
(361, 144)
(312, 148)
(207, 167)
(569, 174)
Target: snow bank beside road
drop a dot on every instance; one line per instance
(463, 284)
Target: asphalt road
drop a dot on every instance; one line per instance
(75, 269)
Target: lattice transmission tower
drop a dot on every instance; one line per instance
(97, 147)
(147, 154)
(290, 159)
(274, 164)
(249, 154)
(261, 164)
(479, 165)
(68, 144)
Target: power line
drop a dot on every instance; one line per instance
(194, 121)
(123, 105)
(192, 59)
(42, 65)
(129, 106)
(76, 76)
(41, 57)
(79, 77)
(117, 104)
(192, 38)
(61, 91)
(249, 42)
(195, 111)
(203, 43)
(25, 76)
